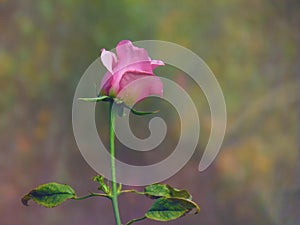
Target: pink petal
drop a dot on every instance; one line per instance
(131, 76)
(135, 87)
(130, 59)
(138, 68)
(156, 63)
(129, 56)
(108, 59)
(106, 84)
(131, 64)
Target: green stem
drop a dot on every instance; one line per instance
(91, 195)
(114, 194)
(135, 220)
(132, 191)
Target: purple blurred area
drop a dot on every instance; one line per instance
(251, 46)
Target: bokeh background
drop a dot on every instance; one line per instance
(251, 46)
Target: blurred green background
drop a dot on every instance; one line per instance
(251, 46)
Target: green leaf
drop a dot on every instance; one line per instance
(119, 188)
(174, 192)
(142, 113)
(166, 209)
(165, 190)
(157, 191)
(50, 195)
(96, 99)
(103, 186)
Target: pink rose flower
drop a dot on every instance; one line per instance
(130, 76)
